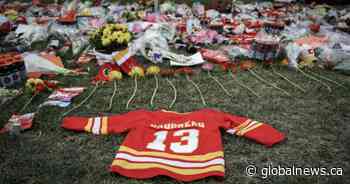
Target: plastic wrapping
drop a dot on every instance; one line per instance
(29, 34)
(35, 63)
(183, 10)
(198, 9)
(167, 7)
(236, 52)
(212, 14)
(334, 57)
(294, 32)
(63, 30)
(293, 51)
(192, 24)
(116, 10)
(154, 39)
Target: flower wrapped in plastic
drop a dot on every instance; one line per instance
(111, 37)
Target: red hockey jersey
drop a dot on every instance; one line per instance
(184, 146)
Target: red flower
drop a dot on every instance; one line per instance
(39, 88)
(225, 66)
(185, 70)
(50, 85)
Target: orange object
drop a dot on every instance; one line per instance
(69, 17)
(247, 64)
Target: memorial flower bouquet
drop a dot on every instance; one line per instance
(111, 37)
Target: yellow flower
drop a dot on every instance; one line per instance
(93, 34)
(106, 42)
(118, 26)
(137, 72)
(115, 75)
(116, 35)
(153, 70)
(128, 37)
(107, 31)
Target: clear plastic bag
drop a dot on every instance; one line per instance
(293, 51)
(30, 34)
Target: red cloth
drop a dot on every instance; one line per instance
(184, 146)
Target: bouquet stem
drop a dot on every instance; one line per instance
(268, 83)
(133, 94)
(289, 81)
(82, 102)
(29, 101)
(220, 84)
(155, 90)
(315, 79)
(113, 95)
(328, 79)
(198, 89)
(175, 93)
(244, 86)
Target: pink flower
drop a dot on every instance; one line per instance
(207, 67)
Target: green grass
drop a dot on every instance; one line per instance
(316, 124)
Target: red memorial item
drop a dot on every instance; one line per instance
(215, 56)
(184, 146)
(104, 73)
(128, 64)
(23, 121)
(69, 17)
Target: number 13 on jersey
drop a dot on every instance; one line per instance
(188, 144)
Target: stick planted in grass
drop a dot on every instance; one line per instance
(82, 102)
(169, 73)
(209, 67)
(244, 86)
(136, 72)
(114, 76)
(220, 84)
(198, 89)
(154, 70)
(328, 79)
(28, 102)
(268, 83)
(289, 81)
(133, 93)
(155, 90)
(315, 79)
(113, 95)
(175, 93)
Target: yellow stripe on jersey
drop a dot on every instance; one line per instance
(174, 112)
(244, 131)
(205, 157)
(241, 126)
(88, 126)
(132, 165)
(104, 128)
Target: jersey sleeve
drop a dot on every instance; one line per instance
(106, 124)
(260, 132)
